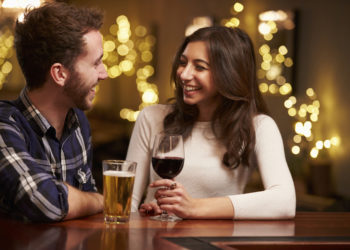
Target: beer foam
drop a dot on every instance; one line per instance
(118, 173)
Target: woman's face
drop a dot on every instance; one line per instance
(196, 76)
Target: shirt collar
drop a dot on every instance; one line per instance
(39, 122)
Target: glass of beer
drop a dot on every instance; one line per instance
(118, 183)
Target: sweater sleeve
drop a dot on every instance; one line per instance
(278, 200)
(149, 123)
(139, 152)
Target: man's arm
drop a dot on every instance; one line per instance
(83, 203)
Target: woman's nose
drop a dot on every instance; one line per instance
(187, 73)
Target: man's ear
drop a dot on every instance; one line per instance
(59, 73)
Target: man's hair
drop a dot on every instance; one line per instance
(52, 33)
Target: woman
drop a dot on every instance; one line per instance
(220, 113)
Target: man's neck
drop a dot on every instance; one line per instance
(49, 103)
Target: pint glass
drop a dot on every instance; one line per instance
(118, 183)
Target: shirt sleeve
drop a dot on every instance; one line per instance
(278, 200)
(27, 189)
(139, 152)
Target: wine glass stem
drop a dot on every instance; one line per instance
(164, 214)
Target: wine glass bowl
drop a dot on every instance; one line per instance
(167, 161)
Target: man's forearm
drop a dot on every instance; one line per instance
(83, 203)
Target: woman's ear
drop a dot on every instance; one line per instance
(59, 73)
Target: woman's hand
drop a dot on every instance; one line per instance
(172, 197)
(149, 209)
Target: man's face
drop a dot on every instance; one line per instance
(88, 70)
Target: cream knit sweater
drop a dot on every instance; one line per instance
(203, 174)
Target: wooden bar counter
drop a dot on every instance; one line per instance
(309, 230)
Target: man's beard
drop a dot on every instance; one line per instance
(77, 91)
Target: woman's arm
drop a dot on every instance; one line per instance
(176, 200)
(278, 200)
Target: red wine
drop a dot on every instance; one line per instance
(168, 167)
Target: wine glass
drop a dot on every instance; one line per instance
(167, 162)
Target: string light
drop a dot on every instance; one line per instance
(131, 55)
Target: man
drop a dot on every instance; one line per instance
(45, 140)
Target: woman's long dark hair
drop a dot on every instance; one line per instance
(233, 68)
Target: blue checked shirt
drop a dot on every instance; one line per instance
(34, 164)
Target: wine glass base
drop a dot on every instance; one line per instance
(165, 217)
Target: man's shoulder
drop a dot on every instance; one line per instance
(8, 109)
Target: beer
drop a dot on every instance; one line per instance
(117, 192)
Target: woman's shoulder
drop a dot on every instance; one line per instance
(154, 113)
(263, 120)
(157, 110)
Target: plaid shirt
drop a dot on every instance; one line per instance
(34, 164)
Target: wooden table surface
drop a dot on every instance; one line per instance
(309, 230)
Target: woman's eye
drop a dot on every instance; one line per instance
(200, 68)
(182, 63)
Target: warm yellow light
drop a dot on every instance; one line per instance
(293, 99)
(235, 22)
(314, 152)
(142, 86)
(273, 88)
(150, 40)
(267, 57)
(268, 37)
(148, 70)
(279, 58)
(299, 128)
(264, 49)
(123, 36)
(140, 31)
(20, 4)
(297, 138)
(285, 89)
(307, 125)
(238, 7)
(108, 46)
(283, 50)
(316, 103)
(327, 143)
(122, 19)
(296, 150)
(310, 92)
(113, 29)
(123, 50)
(149, 96)
(288, 103)
(314, 117)
(6, 68)
(280, 80)
(264, 28)
(335, 141)
(274, 71)
(114, 71)
(288, 62)
(263, 87)
(265, 65)
(272, 15)
(302, 112)
(292, 112)
(146, 56)
(126, 65)
(319, 145)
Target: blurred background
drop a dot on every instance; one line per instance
(302, 50)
